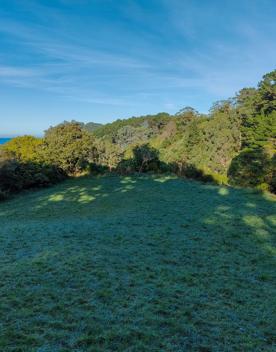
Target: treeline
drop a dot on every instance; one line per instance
(28, 162)
(234, 144)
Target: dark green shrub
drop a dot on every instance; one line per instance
(95, 169)
(16, 176)
(146, 158)
(251, 168)
(126, 167)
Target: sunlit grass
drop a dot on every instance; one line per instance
(137, 264)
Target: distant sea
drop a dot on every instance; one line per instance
(4, 140)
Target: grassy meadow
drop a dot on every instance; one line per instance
(150, 263)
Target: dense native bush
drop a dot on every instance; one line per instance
(251, 168)
(235, 143)
(128, 131)
(126, 167)
(16, 175)
(225, 143)
(27, 162)
(255, 164)
(25, 148)
(144, 159)
(107, 155)
(208, 144)
(69, 147)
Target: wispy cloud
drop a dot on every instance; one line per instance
(134, 56)
(16, 72)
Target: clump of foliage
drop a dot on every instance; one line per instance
(27, 162)
(92, 126)
(129, 131)
(251, 167)
(223, 145)
(205, 143)
(17, 175)
(257, 111)
(108, 154)
(144, 158)
(69, 146)
(25, 148)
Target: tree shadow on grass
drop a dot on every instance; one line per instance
(145, 263)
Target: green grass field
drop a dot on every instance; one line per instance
(137, 264)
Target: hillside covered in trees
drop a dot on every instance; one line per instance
(234, 144)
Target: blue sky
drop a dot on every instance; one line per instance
(99, 60)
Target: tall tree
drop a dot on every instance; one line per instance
(69, 146)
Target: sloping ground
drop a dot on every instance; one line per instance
(137, 264)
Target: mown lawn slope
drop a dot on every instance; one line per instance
(137, 264)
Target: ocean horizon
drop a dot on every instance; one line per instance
(5, 140)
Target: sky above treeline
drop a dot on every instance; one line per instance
(99, 60)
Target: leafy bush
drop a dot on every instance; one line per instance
(126, 167)
(145, 158)
(25, 148)
(251, 168)
(69, 147)
(16, 176)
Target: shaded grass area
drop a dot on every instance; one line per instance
(137, 264)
